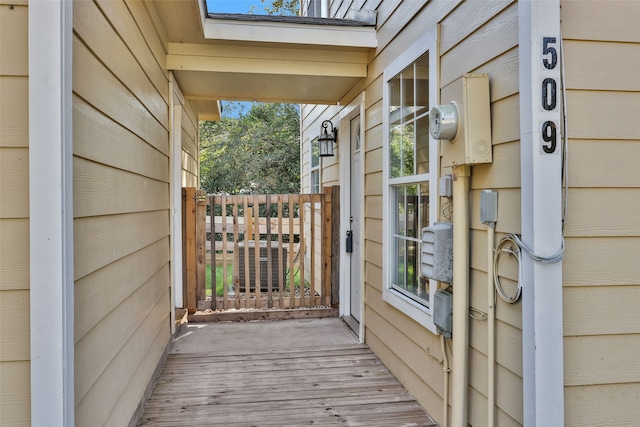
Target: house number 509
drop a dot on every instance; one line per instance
(549, 95)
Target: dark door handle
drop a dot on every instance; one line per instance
(349, 242)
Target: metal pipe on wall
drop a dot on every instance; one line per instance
(446, 370)
(491, 320)
(460, 366)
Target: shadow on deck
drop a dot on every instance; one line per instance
(285, 373)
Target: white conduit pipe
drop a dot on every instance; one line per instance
(491, 319)
(446, 370)
(460, 294)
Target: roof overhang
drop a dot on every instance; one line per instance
(247, 57)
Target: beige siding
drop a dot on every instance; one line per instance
(190, 148)
(121, 207)
(15, 388)
(600, 270)
(492, 25)
(480, 37)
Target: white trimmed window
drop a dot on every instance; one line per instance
(410, 176)
(314, 162)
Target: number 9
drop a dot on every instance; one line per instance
(549, 136)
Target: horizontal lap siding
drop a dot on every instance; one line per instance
(121, 208)
(190, 148)
(485, 40)
(475, 37)
(601, 270)
(463, 32)
(15, 388)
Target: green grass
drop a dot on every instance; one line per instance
(219, 278)
(220, 283)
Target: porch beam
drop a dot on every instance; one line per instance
(252, 60)
(290, 33)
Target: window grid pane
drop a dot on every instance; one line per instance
(411, 213)
(409, 169)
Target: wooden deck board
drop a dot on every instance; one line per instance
(326, 386)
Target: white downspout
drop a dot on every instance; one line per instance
(324, 9)
(461, 176)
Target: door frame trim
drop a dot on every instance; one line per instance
(355, 108)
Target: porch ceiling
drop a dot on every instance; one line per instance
(236, 57)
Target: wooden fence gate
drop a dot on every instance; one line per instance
(260, 251)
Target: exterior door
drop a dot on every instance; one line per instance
(355, 218)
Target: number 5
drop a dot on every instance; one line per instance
(549, 63)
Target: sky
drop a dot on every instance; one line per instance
(234, 6)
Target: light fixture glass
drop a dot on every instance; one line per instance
(327, 139)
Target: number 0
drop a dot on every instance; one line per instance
(551, 61)
(549, 94)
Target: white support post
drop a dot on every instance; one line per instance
(541, 217)
(175, 123)
(51, 213)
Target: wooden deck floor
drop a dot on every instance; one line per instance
(339, 385)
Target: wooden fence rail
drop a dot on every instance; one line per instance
(264, 251)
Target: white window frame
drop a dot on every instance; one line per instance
(313, 168)
(426, 43)
(312, 8)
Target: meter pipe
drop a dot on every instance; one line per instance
(446, 370)
(460, 364)
(491, 320)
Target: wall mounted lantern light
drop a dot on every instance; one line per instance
(326, 139)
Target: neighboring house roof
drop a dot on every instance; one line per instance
(304, 20)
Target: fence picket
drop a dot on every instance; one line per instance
(236, 277)
(280, 263)
(225, 281)
(248, 214)
(214, 299)
(256, 247)
(269, 257)
(292, 273)
(312, 255)
(303, 248)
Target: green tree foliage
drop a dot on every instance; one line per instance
(256, 152)
(280, 7)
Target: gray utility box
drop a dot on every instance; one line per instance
(267, 254)
(437, 252)
(443, 312)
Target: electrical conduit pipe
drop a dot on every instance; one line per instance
(491, 324)
(446, 370)
(460, 333)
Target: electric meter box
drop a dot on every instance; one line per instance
(443, 312)
(472, 142)
(437, 252)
